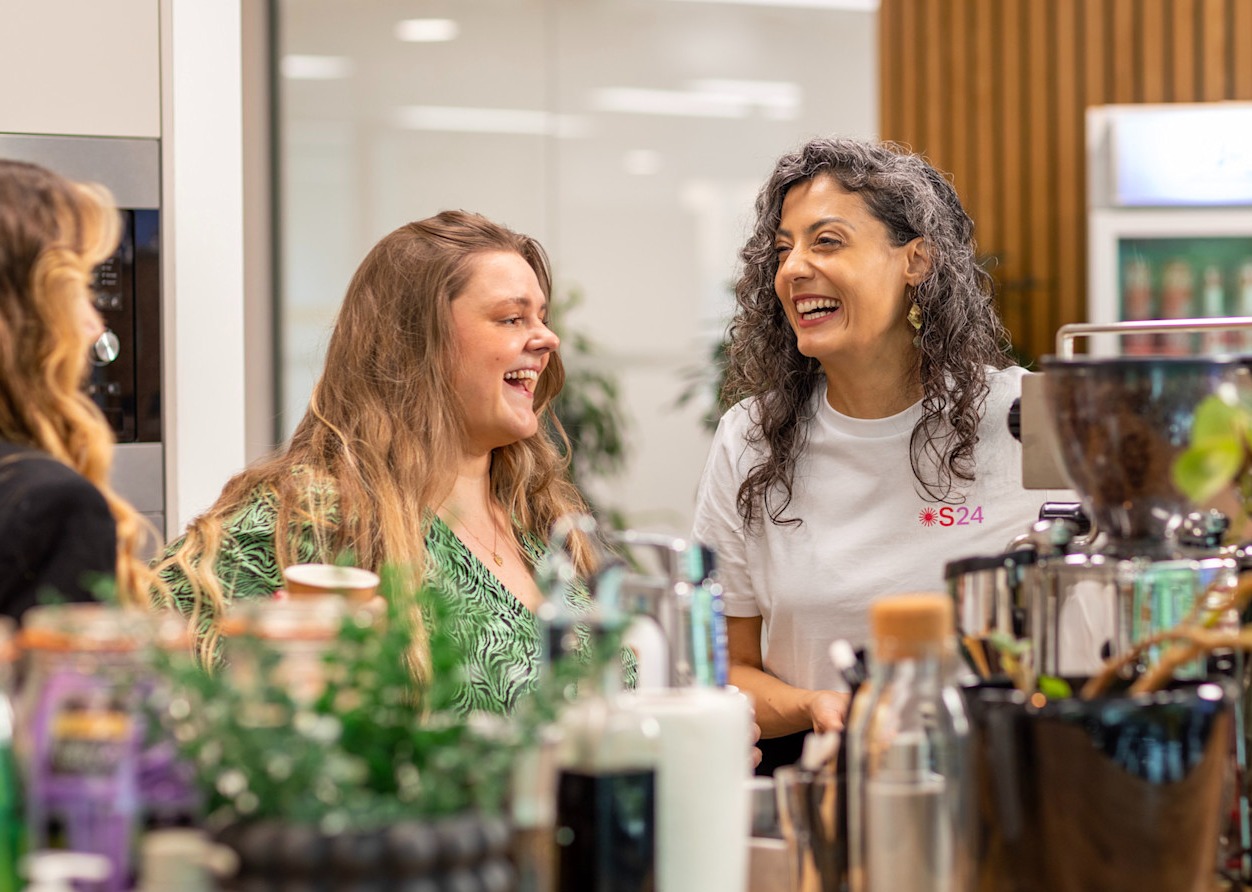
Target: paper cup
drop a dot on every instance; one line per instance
(355, 584)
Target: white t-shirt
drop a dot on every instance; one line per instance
(868, 529)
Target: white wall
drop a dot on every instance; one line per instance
(202, 120)
(642, 212)
(167, 69)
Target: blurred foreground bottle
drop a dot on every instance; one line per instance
(10, 799)
(909, 775)
(605, 791)
(81, 731)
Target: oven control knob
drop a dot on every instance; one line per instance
(105, 349)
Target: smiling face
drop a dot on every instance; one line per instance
(840, 279)
(503, 345)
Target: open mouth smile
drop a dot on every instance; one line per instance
(522, 379)
(811, 309)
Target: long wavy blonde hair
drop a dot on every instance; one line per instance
(53, 233)
(385, 426)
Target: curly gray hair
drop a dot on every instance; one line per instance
(961, 333)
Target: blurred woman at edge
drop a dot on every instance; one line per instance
(62, 527)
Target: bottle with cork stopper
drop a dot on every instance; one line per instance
(910, 805)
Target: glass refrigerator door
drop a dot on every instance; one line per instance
(1171, 264)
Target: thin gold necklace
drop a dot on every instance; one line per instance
(495, 532)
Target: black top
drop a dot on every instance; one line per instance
(57, 535)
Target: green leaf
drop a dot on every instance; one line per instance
(1207, 467)
(1217, 419)
(1054, 688)
(1007, 644)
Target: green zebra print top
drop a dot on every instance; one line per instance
(500, 638)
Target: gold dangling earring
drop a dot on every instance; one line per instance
(915, 320)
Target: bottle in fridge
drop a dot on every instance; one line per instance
(1177, 302)
(1137, 304)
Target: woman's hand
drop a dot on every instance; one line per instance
(779, 707)
(828, 710)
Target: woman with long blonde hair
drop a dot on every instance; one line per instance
(64, 532)
(429, 445)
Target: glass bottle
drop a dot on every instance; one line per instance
(605, 819)
(10, 788)
(606, 754)
(710, 661)
(81, 731)
(282, 643)
(168, 795)
(909, 778)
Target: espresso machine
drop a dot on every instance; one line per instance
(1138, 557)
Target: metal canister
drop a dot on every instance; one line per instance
(988, 595)
(1076, 623)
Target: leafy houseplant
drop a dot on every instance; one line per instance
(589, 405)
(370, 775)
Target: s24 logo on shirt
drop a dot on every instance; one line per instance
(950, 516)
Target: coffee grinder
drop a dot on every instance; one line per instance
(1117, 425)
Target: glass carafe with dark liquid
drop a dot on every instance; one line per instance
(606, 795)
(604, 828)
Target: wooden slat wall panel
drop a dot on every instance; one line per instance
(995, 92)
(983, 188)
(1012, 232)
(932, 56)
(1182, 51)
(1070, 251)
(1039, 236)
(913, 74)
(1122, 26)
(957, 68)
(1214, 63)
(1151, 73)
(1241, 49)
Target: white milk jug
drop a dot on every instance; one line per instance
(702, 795)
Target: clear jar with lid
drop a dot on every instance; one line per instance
(282, 643)
(910, 803)
(167, 782)
(81, 730)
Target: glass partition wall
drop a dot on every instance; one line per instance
(629, 136)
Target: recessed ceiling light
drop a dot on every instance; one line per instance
(848, 5)
(316, 68)
(777, 100)
(679, 103)
(642, 162)
(711, 98)
(427, 30)
(458, 119)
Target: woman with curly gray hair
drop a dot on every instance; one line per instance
(868, 441)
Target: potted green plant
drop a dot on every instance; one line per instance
(366, 778)
(589, 407)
